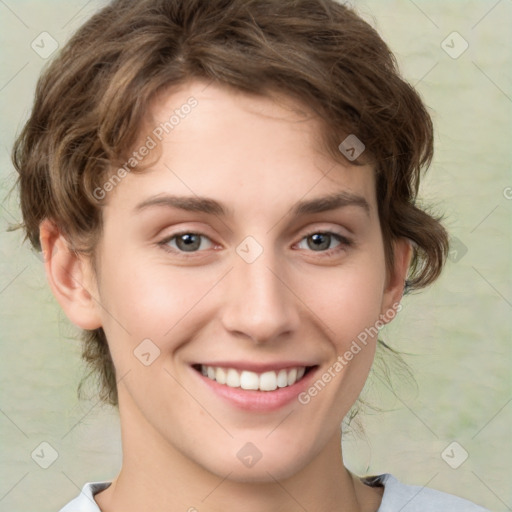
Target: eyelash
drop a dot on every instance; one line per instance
(344, 243)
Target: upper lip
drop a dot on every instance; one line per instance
(256, 367)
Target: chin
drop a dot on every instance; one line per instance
(267, 469)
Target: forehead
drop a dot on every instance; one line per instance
(216, 141)
(214, 96)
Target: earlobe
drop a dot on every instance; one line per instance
(70, 277)
(402, 255)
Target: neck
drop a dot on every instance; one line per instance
(158, 477)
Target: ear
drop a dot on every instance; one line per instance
(402, 254)
(70, 277)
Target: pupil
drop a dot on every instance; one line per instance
(188, 241)
(317, 241)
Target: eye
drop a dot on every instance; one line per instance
(320, 241)
(186, 242)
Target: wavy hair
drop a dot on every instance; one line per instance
(91, 102)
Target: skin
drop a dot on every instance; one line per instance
(258, 157)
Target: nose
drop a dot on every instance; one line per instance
(259, 303)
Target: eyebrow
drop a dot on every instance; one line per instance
(188, 203)
(213, 207)
(330, 202)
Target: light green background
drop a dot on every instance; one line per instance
(458, 332)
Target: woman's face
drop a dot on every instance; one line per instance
(243, 257)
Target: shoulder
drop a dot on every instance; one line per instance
(84, 502)
(412, 498)
(396, 496)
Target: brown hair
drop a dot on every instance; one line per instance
(91, 102)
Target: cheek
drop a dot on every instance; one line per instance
(151, 302)
(347, 300)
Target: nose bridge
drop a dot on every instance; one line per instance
(258, 303)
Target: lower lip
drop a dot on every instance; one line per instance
(253, 400)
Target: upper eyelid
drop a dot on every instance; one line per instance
(343, 239)
(340, 236)
(324, 231)
(168, 238)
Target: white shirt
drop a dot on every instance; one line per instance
(396, 497)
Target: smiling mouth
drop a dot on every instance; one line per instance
(253, 381)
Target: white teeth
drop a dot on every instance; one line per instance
(233, 378)
(220, 375)
(249, 380)
(266, 381)
(282, 379)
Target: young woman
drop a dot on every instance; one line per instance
(225, 195)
